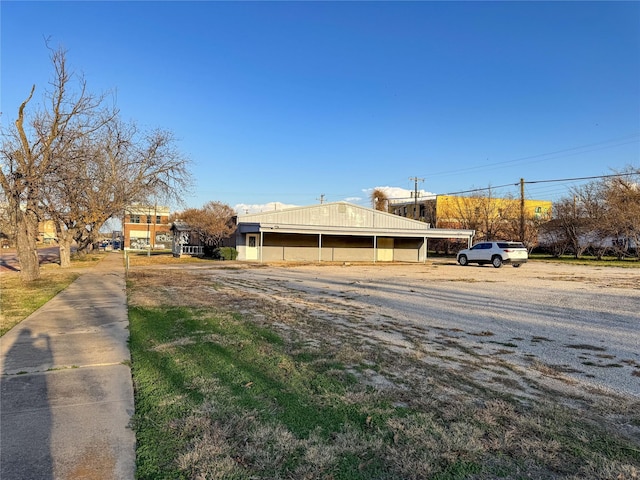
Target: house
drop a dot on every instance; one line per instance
(146, 226)
(185, 240)
(336, 232)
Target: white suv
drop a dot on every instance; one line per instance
(495, 253)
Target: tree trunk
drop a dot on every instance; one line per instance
(83, 246)
(65, 253)
(26, 236)
(65, 250)
(65, 239)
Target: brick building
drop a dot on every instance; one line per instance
(146, 227)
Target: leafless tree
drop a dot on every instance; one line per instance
(510, 223)
(577, 221)
(462, 212)
(135, 166)
(7, 228)
(601, 216)
(553, 235)
(620, 225)
(36, 145)
(491, 214)
(571, 226)
(77, 164)
(213, 222)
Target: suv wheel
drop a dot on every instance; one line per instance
(463, 260)
(516, 265)
(496, 261)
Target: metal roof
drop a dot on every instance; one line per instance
(342, 218)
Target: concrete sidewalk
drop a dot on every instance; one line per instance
(66, 393)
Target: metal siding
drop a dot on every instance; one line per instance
(335, 215)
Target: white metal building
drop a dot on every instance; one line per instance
(336, 232)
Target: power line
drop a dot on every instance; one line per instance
(584, 178)
(591, 147)
(575, 179)
(491, 187)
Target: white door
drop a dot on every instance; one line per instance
(252, 247)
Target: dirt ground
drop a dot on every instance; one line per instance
(572, 329)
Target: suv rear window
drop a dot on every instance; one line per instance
(510, 245)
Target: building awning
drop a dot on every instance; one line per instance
(354, 231)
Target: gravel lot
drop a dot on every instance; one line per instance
(562, 326)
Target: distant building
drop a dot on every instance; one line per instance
(47, 232)
(449, 211)
(146, 227)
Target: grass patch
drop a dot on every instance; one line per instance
(627, 262)
(164, 257)
(19, 299)
(232, 372)
(221, 395)
(630, 262)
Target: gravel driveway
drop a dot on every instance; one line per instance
(569, 325)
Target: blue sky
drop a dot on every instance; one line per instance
(288, 101)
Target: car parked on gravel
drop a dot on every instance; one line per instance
(495, 253)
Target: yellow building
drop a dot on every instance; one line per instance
(47, 232)
(491, 217)
(453, 211)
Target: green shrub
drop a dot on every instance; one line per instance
(228, 253)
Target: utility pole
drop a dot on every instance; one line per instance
(321, 198)
(415, 196)
(522, 209)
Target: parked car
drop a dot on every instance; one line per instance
(495, 253)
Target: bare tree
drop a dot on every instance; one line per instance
(131, 166)
(619, 227)
(577, 221)
(7, 227)
(213, 222)
(510, 226)
(461, 212)
(35, 147)
(78, 165)
(553, 235)
(601, 216)
(491, 214)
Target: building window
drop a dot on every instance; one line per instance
(158, 219)
(135, 218)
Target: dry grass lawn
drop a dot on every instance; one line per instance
(410, 418)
